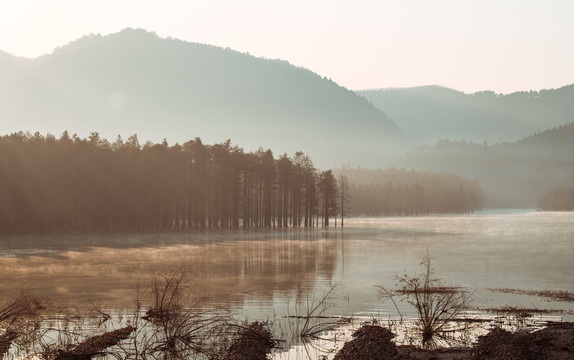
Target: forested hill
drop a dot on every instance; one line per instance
(135, 82)
(512, 174)
(431, 113)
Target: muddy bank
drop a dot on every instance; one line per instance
(253, 342)
(370, 342)
(554, 342)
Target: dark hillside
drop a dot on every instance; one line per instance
(512, 174)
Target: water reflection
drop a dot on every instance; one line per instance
(260, 271)
(522, 250)
(228, 266)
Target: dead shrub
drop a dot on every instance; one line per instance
(179, 324)
(439, 308)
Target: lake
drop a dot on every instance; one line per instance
(258, 273)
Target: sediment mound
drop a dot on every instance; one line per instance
(253, 343)
(555, 342)
(370, 342)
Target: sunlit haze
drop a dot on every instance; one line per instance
(286, 180)
(504, 46)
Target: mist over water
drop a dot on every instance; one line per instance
(258, 272)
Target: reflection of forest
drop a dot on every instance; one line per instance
(225, 271)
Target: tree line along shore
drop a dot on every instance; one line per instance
(88, 184)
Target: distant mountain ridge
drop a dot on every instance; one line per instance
(432, 113)
(135, 82)
(512, 174)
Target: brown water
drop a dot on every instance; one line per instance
(258, 273)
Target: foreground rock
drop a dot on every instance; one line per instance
(375, 342)
(253, 343)
(370, 342)
(555, 342)
(414, 353)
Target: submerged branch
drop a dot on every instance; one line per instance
(95, 345)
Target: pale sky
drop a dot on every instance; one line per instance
(500, 45)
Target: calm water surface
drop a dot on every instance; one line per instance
(258, 273)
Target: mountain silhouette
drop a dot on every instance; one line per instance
(136, 82)
(512, 174)
(431, 113)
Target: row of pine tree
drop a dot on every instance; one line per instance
(50, 184)
(561, 199)
(73, 184)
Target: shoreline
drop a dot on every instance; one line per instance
(555, 341)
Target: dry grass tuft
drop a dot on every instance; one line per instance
(439, 308)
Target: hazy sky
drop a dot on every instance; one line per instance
(502, 45)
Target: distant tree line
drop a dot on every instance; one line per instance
(513, 174)
(557, 200)
(52, 184)
(398, 192)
